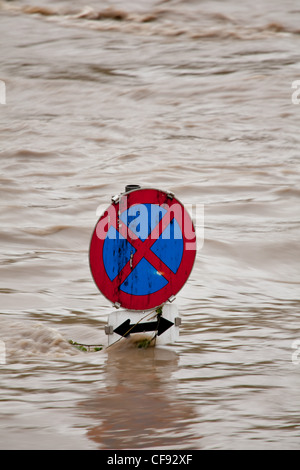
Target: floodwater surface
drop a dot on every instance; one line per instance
(187, 96)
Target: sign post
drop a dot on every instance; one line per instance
(142, 252)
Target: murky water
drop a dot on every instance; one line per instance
(194, 97)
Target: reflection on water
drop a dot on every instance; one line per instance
(139, 407)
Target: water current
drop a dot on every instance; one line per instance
(195, 97)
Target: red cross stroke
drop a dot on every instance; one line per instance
(111, 289)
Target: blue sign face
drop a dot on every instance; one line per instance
(144, 279)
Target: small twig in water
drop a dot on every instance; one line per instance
(86, 347)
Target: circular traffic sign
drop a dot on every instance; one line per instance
(143, 249)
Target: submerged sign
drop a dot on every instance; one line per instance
(142, 249)
(148, 328)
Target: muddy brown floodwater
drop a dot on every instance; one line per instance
(193, 97)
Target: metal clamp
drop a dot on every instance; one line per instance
(131, 187)
(108, 329)
(115, 199)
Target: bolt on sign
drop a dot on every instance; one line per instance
(142, 249)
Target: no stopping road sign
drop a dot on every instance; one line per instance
(143, 249)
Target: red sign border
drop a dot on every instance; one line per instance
(149, 301)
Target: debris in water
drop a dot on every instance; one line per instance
(86, 347)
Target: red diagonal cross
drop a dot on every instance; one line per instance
(143, 249)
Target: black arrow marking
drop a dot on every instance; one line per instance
(161, 325)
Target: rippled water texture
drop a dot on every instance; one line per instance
(193, 97)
